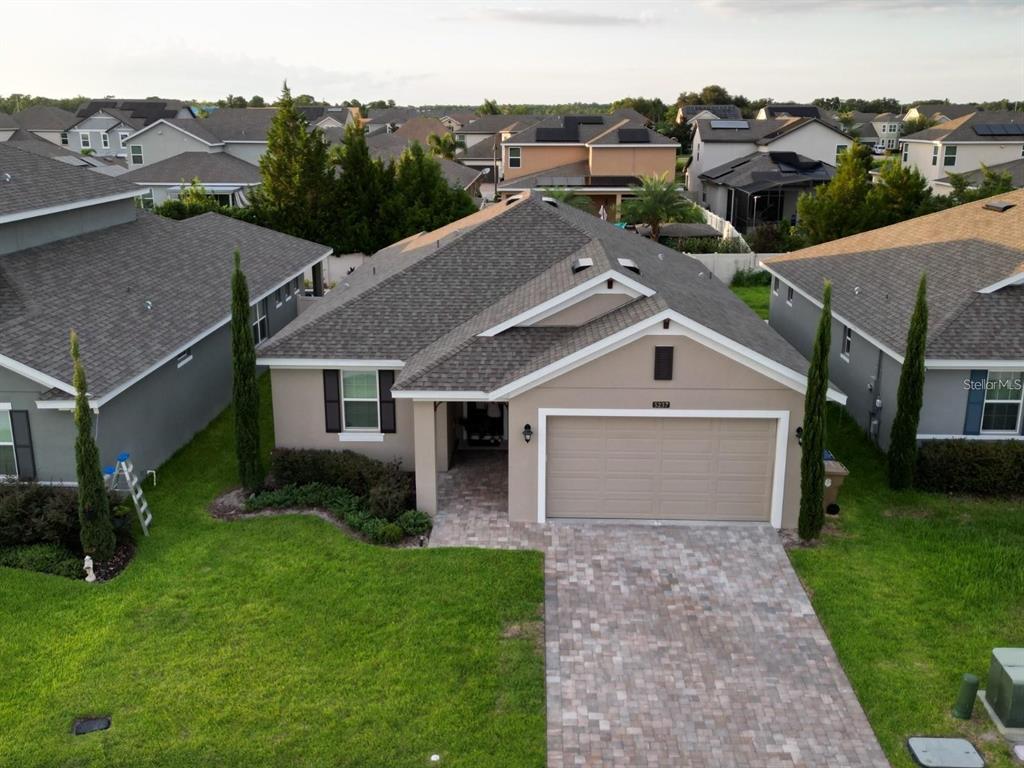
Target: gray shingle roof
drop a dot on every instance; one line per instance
(757, 131)
(488, 149)
(722, 111)
(240, 124)
(146, 110)
(962, 128)
(603, 132)
(1015, 168)
(760, 171)
(209, 167)
(794, 110)
(499, 123)
(426, 303)
(962, 250)
(952, 111)
(7, 122)
(43, 118)
(198, 127)
(38, 182)
(98, 284)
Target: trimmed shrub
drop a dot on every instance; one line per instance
(746, 278)
(373, 527)
(415, 523)
(974, 467)
(43, 558)
(294, 496)
(31, 513)
(390, 494)
(345, 469)
(389, 533)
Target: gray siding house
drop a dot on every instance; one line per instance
(150, 300)
(973, 256)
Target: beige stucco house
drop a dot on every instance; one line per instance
(618, 378)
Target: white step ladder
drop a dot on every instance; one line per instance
(126, 470)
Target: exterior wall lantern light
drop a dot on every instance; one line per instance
(799, 435)
(527, 433)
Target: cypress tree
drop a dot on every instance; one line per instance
(812, 465)
(97, 534)
(909, 396)
(245, 391)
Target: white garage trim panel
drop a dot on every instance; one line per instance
(749, 500)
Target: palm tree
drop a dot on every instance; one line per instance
(444, 145)
(567, 196)
(656, 201)
(489, 107)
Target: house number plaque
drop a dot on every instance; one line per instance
(661, 404)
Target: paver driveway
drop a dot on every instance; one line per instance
(675, 645)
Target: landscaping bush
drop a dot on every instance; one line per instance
(44, 558)
(31, 513)
(345, 469)
(705, 244)
(390, 493)
(297, 496)
(748, 278)
(389, 533)
(415, 523)
(974, 467)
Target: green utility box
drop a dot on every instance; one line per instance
(1005, 693)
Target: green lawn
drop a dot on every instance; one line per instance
(276, 641)
(914, 589)
(756, 297)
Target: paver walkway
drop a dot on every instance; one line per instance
(671, 645)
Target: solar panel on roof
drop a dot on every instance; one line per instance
(734, 124)
(634, 136)
(1000, 129)
(557, 134)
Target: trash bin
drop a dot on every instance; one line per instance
(835, 473)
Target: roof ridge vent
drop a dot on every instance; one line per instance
(553, 202)
(629, 264)
(581, 263)
(999, 206)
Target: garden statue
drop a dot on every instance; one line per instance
(90, 575)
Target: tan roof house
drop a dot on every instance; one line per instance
(615, 377)
(599, 156)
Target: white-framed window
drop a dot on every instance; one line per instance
(1001, 413)
(360, 405)
(789, 295)
(847, 343)
(258, 318)
(935, 154)
(298, 285)
(222, 199)
(105, 140)
(145, 200)
(64, 140)
(279, 297)
(185, 357)
(840, 148)
(136, 154)
(8, 457)
(515, 157)
(86, 139)
(949, 157)
(775, 286)
(122, 137)
(906, 152)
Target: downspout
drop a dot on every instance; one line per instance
(874, 417)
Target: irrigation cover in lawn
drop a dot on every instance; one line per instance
(85, 725)
(944, 753)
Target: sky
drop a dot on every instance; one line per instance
(516, 52)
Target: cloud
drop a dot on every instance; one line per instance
(551, 16)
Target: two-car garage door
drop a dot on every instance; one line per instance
(660, 467)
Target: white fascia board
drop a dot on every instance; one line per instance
(567, 299)
(36, 212)
(442, 395)
(510, 143)
(64, 405)
(178, 128)
(106, 398)
(817, 302)
(634, 146)
(581, 190)
(991, 365)
(245, 141)
(33, 375)
(297, 363)
(1006, 436)
(1017, 279)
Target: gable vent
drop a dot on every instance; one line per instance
(630, 265)
(580, 263)
(998, 206)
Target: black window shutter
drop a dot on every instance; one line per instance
(385, 380)
(663, 363)
(975, 403)
(332, 400)
(23, 445)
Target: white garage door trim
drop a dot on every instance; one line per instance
(781, 443)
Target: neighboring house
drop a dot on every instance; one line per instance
(389, 119)
(104, 125)
(964, 144)
(47, 123)
(150, 299)
(597, 156)
(390, 146)
(939, 112)
(28, 142)
(8, 126)
(775, 111)
(879, 131)
(453, 121)
(973, 256)
(618, 379)
(330, 117)
(484, 128)
(692, 112)
(975, 178)
(761, 187)
(225, 177)
(240, 132)
(718, 142)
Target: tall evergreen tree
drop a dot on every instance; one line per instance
(839, 208)
(909, 396)
(97, 534)
(812, 465)
(361, 189)
(422, 199)
(245, 390)
(900, 194)
(489, 107)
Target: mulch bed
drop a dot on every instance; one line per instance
(123, 555)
